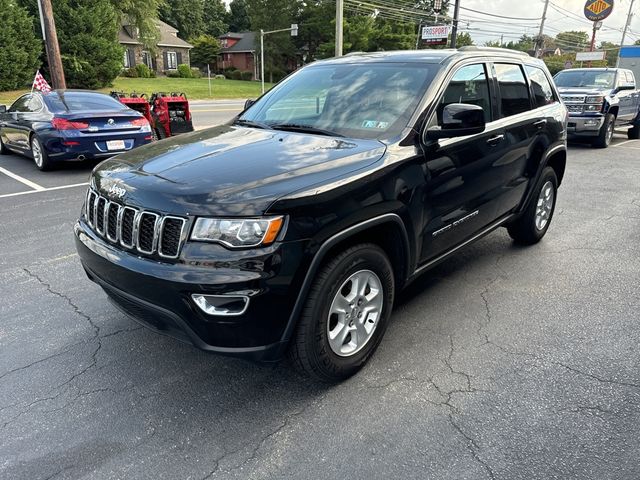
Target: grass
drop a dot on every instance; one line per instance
(195, 88)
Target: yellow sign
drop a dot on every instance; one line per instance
(598, 7)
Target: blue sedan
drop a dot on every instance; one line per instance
(70, 125)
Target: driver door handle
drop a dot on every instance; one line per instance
(495, 139)
(540, 123)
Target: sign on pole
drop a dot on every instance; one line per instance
(590, 56)
(436, 35)
(597, 10)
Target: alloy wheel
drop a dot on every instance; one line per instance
(544, 207)
(36, 150)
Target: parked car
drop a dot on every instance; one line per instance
(70, 125)
(599, 100)
(293, 227)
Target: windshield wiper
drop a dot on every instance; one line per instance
(251, 123)
(295, 127)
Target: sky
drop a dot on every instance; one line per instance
(486, 27)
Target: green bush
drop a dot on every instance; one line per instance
(19, 55)
(143, 71)
(196, 73)
(173, 74)
(227, 71)
(247, 75)
(236, 75)
(130, 72)
(219, 77)
(184, 71)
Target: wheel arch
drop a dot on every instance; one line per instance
(558, 161)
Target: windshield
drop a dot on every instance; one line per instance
(366, 100)
(585, 78)
(82, 102)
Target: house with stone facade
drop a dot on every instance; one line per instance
(171, 50)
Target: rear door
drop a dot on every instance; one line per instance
(462, 188)
(521, 122)
(12, 124)
(626, 96)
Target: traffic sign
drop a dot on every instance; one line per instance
(596, 10)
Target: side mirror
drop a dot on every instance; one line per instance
(3, 109)
(248, 103)
(459, 120)
(626, 87)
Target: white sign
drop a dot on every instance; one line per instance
(432, 33)
(589, 56)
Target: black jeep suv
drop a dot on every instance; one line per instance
(292, 228)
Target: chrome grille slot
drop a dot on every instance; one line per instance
(139, 230)
(147, 239)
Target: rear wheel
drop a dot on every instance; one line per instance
(606, 132)
(634, 133)
(39, 154)
(345, 315)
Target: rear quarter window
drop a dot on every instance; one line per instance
(541, 87)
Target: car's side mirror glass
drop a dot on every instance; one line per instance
(3, 109)
(458, 120)
(248, 103)
(14, 115)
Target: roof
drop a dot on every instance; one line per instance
(429, 55)
(246, 42)
(168, 36)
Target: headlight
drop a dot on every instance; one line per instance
(592, 108)
(597, 100)
(238, 232)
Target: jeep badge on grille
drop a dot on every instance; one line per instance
(117, 191)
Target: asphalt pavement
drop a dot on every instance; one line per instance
(502, 363)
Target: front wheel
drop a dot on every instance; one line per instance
(3, 149)
(345, 314)
(534, 222)
(606, 132)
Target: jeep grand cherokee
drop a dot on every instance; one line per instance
(291, 229)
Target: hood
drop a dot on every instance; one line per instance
(229, 170)
(589, 91)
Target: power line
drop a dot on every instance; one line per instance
(500, 16)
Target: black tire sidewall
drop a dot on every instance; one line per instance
(364, 257)
(603, 140)
(548, 174)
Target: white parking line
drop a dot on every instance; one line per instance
(623, 143)
(23, 180)
(43, 189)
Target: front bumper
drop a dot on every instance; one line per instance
(158, 294)
(585, 125)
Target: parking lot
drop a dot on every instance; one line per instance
(501, 363)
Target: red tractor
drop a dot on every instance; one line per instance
(168, 113)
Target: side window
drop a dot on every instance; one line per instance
(34, 105)
(542, 91)
(630, 78)
(468, 85)
(20, 105)
(514, 92)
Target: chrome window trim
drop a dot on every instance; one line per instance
(180, 240)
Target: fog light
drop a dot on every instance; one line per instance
(591, 123)
(222, 305)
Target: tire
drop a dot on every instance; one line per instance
(606, 132)
(40, 155)
(532, 225)
(3, 150)
(634, 133)
(312, 351)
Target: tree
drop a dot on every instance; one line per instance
(20, 52)
(493, 43)
(205, 50)
(637, 42)
(238, 18)
(88, 37)
(573, 41)
(142, 14)
(611, 50)
(463, 39)
(214, 15)
(187, 16)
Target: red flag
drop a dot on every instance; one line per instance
(39, 83)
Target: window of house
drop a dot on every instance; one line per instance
(514, 92)
(468, 85)
(147, 59)
(125, 61)
(542, 91)
(172, 61)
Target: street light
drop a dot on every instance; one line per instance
(294, 33)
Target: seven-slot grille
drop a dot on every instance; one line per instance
(140, 230)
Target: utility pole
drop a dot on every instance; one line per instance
(454, 29)
(624, 31)
(339, 20)
(50, 38)
(540, 39)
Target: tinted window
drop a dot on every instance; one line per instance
(468, 85)
(20, 105)
(514, 93)
(82, 102)
(542, 91)
(366, 100)
(585, 78)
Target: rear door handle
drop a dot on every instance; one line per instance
(495, 139)
(540, 123)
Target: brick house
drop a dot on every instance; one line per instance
(171, 50)
(238, 50)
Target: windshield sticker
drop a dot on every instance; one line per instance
(375, 124)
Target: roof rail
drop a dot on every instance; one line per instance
(353, 53)
(472, 48)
